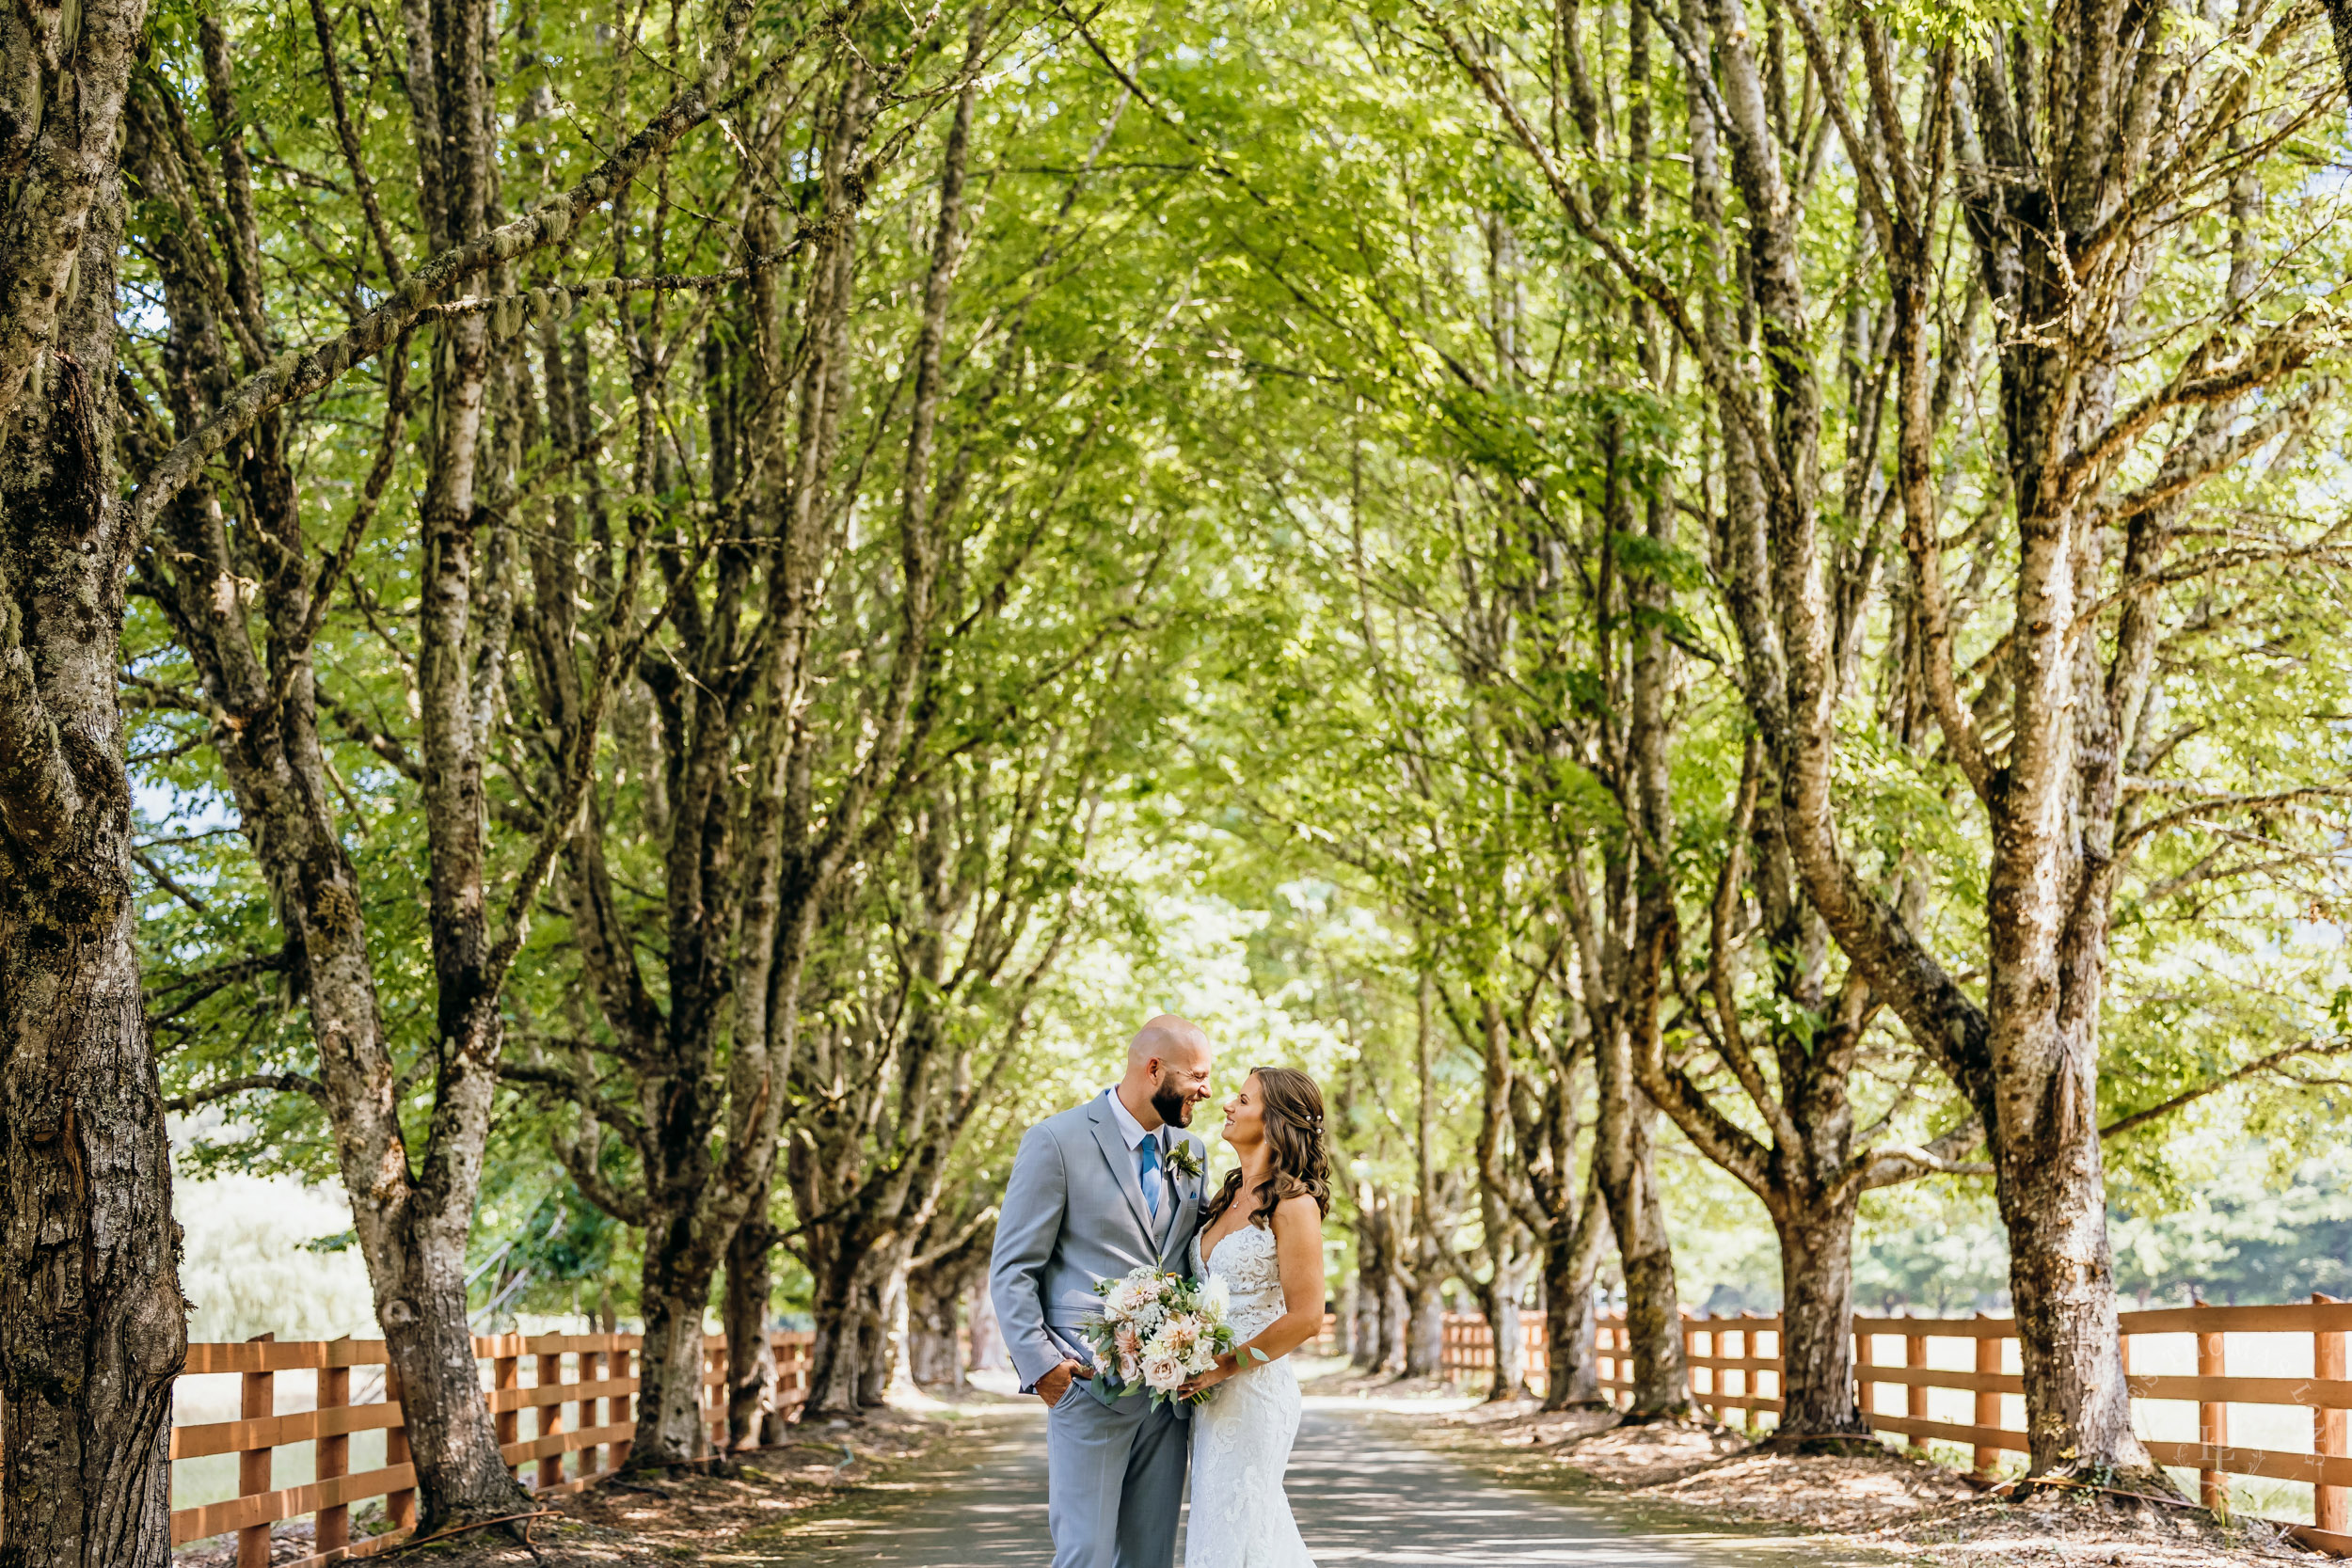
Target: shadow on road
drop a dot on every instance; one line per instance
(1364, 1492)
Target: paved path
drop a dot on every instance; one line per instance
(1364, 1493)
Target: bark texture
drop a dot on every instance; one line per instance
(92, 1326)
(755, 1414)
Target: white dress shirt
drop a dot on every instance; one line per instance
(1132, 1133)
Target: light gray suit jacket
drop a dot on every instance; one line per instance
(1075, 1214)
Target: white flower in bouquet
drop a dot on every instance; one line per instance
(1125, 1298)
(1156, 1332)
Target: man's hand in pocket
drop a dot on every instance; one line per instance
(1054, 1385)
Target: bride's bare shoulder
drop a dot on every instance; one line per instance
(1297, 1213)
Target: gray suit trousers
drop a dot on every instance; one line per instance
(1117, 1477)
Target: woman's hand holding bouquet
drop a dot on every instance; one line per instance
(1157, 1331)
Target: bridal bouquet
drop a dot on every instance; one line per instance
(1157, 1331)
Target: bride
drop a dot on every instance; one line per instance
(1263, 1235)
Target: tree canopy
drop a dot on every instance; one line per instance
(637, 634)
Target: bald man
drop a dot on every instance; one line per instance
(1093, 1195)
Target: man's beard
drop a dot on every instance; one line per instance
(1169, 1102)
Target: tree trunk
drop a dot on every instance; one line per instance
(1625, 1167)
(2061, 1276)
(420, 1290)
(1571, 1370)
(1499, 1299)
(934, 1348)
(1424, 1318)
(837, 1356)
(1816, 1321)
(89, 1296)
(987, 1340)
(754, 1417)
(1376, 1255)
(669, 1407)
(1372, 1296)
(1343, 1319)
(886, 1337)
(1572, 1258)
(91, 1318)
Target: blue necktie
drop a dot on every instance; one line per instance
(1148, 1160)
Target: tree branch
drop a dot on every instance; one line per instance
(2303, 1051)
(280, 1083)
(1887, 1167)
(300, 372)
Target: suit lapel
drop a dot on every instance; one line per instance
(1180, 1224)
(1122, 1163)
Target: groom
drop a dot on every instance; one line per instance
(1094, 1195)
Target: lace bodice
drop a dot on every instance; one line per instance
(1246, 1260)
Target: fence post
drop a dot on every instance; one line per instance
(1621, 1341)
(1987, 1458)
(623, 1368)
(1690, 1348)
(506, 1373)
(333, 1524)
(2213, 1423)
(550, 1417)
(1865, 1357)
(591, 1363)
(259, 1404)
(399, 1507)
(1916, 1397)
(2332, 1506)
(1750, 1375)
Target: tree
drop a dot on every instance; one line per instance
(412, 1180)
(2102, 189)
(829, 661)
(91, 1315)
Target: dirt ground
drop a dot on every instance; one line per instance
(672, 1519)
(1917, 1511)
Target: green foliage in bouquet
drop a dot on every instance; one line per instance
(1156, 1332)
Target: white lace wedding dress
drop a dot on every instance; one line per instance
(1241, 1438)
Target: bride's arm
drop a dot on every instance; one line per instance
(1299, 1254)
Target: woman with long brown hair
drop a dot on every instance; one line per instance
(1261, 1238)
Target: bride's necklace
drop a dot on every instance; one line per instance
(1211, 1241)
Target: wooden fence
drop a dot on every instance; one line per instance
(1730, 1369)
(581, 1392)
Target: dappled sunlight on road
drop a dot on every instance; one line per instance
(1364, 1492)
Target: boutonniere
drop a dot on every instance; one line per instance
(1184, 1160)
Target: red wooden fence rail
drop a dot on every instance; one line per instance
(1733, 1366)
(593, 1375)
